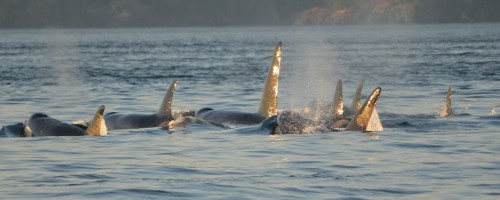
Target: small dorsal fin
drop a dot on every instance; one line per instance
(338, 102)
(97, 126)
(356, 100)
(448, 110)
(269, 101)
(166, 106)
(493, 112)
(363, 117)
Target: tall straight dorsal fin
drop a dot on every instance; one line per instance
(338, 102)
(97, 126)
(166, 106)
(356, 100)
(269, 101)
(362, 118)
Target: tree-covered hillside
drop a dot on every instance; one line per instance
(167, 13)
(401, 11)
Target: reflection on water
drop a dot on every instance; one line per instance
(69, 73)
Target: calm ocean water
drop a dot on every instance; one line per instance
(68, 73)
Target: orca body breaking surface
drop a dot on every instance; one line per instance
(40, 124)
(268, 105)
(116, 120)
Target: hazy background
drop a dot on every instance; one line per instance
(170, 13)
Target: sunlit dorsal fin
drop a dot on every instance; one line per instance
(362, 118)
(97, 126)
(356, 100)
(338, 102)
(269, 101)
(448, 111)
(374, 125)
(166, 106)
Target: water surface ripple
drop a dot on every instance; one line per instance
(68, 73)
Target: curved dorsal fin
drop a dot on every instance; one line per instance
(356, 100)
(166, 106)
(97, 126)
(363, 117)
(269, 101)
(338, 102)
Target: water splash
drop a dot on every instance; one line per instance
(312, 74)
(441, 111)
(493, 111)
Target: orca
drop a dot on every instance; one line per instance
(493, 111)
(340, 113)
(293, 122)
(447, 111)
(366, 119)
(338, 109)
(356, 100)
(162, 117)
(40, 124)
(268, 105)
(13, 130)
(267, 126)
(183, 121)
(338, 102)
(335, 115)
(223, 116)
(374, 123)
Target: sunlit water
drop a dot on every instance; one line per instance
(69, 73)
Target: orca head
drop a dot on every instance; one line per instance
(13, 130)
(291, 122)
(270, 124)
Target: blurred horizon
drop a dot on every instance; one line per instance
(193, 13)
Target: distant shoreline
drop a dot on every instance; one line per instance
(243, 26)
(25, 14)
